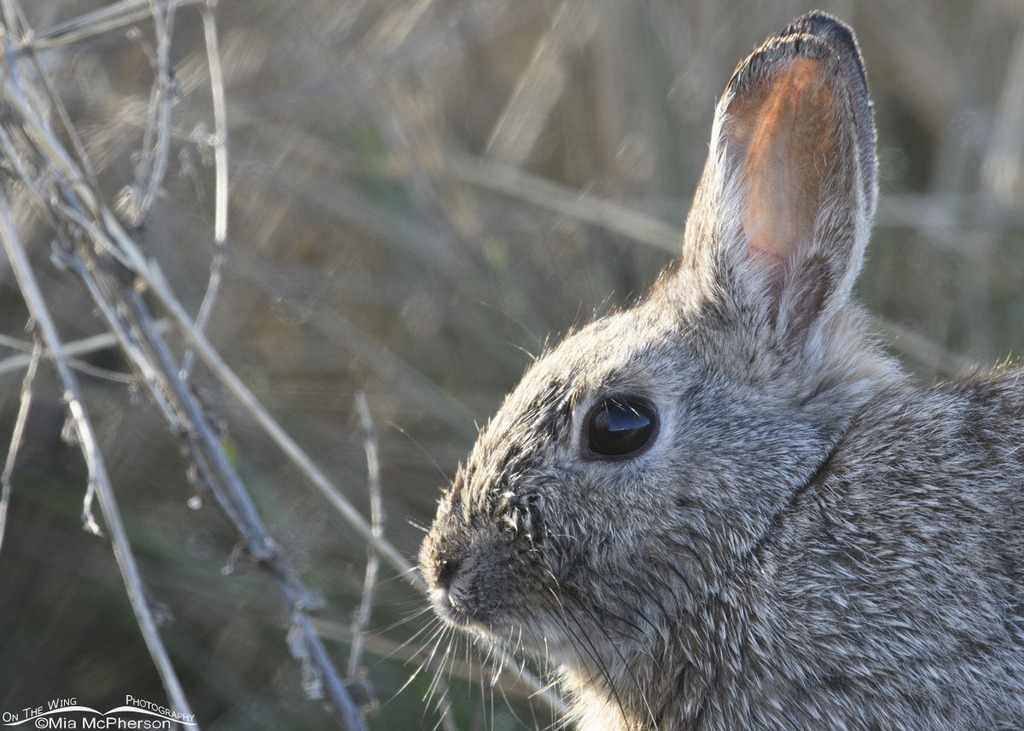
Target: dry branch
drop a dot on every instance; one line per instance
(93, 246)
(16, 437)
(99, 481)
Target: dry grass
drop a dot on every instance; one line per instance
(296, 203)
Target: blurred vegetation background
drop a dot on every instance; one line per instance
(421, 193)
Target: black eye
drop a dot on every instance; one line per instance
(620, 426)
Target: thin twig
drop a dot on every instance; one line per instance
(220, 123)
(156, 140)
(97, 22)
(345, 709)
(44, 77)
(74, 348)
(220, 157)
(362, 618)
(16, 437)
(98, 478)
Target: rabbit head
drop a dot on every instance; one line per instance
(649, 452)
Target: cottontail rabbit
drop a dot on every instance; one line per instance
(726, 507)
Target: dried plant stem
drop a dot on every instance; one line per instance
(103, 20)
(16, 437)
(316, 656)
(362, 618)
(156, 140)
(220, 157)
(98, 478)
(73, 348)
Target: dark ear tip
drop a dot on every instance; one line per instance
(824, 26)
(837, 35)
(777, 52)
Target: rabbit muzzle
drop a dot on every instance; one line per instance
(474, 573)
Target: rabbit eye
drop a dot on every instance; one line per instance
(621, 426)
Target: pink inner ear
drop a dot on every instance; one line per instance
(782, 129)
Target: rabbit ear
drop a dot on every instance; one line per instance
(785, 203)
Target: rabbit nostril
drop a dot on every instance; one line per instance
(446, 570)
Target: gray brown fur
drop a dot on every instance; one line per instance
(811, 541)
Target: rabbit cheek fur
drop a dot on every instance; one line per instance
(806, 539)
